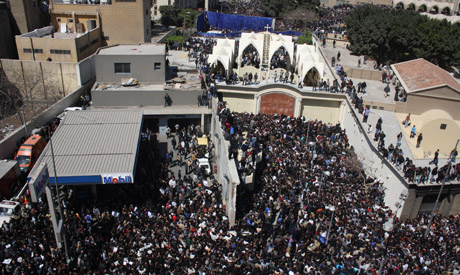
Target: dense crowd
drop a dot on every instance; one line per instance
(331, 24)
(308, 167)
(312, 210)
(250, 57)
(280, 59)
(248, 8)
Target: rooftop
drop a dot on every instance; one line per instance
(140, 49)
(88, 144)
(49, 32)
(420, 74)
(119, 86)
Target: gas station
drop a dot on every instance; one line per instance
(94, 147)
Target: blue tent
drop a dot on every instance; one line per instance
(232, 22)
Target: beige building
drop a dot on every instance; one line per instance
(332, 3)
(446, 7)
(7, 47)
(120, 21)
(433, 100)
(47, 45)
(29, 14)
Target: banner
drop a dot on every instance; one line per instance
(38, 181)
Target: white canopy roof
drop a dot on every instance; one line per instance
(307, 58)
(223, 52)
(256, 39)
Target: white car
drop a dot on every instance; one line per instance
(68, 109)
(204, 162)
(8, 210)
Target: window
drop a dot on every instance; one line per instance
(95, 41)
(122, 68)
(157, 66)
(27, 50)
(53, 51)
(147, 31)
(155, 2)
(106, 38)
(443, 126)
(146, 11)
(85, 47)
(169, 2)
(38, 50)
(155, 12)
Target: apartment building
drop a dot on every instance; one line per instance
(28, 15)
(120, 21)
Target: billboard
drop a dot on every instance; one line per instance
(38, 181)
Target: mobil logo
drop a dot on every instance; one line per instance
(116, 178)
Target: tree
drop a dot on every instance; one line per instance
(10, 97)
(187, 15)
(274, 8)
(391, 36)
(169, 15)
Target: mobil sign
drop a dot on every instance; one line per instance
(117, 178)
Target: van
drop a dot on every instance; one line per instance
(9, 210)
(204, 163)
(29, 152)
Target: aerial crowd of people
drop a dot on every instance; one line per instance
(305, 204)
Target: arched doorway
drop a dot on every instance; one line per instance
(434, 10)
(219, 69)
(311, 76)
(280, 59)
(446, 11)
(422, 8)
(277, 103)
(400, 5)
(411, 7)
(250, 57)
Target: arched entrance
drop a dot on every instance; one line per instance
(250, 57)
(280, 59)
(219, 69)
(434, 10)
(411, 7)
(311, 76)
(422, 8)
(446, 11)
(277, 103)
(400, 5)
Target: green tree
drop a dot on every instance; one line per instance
(169, 15)
(391, 36)
(306, 38)
(187, 15)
